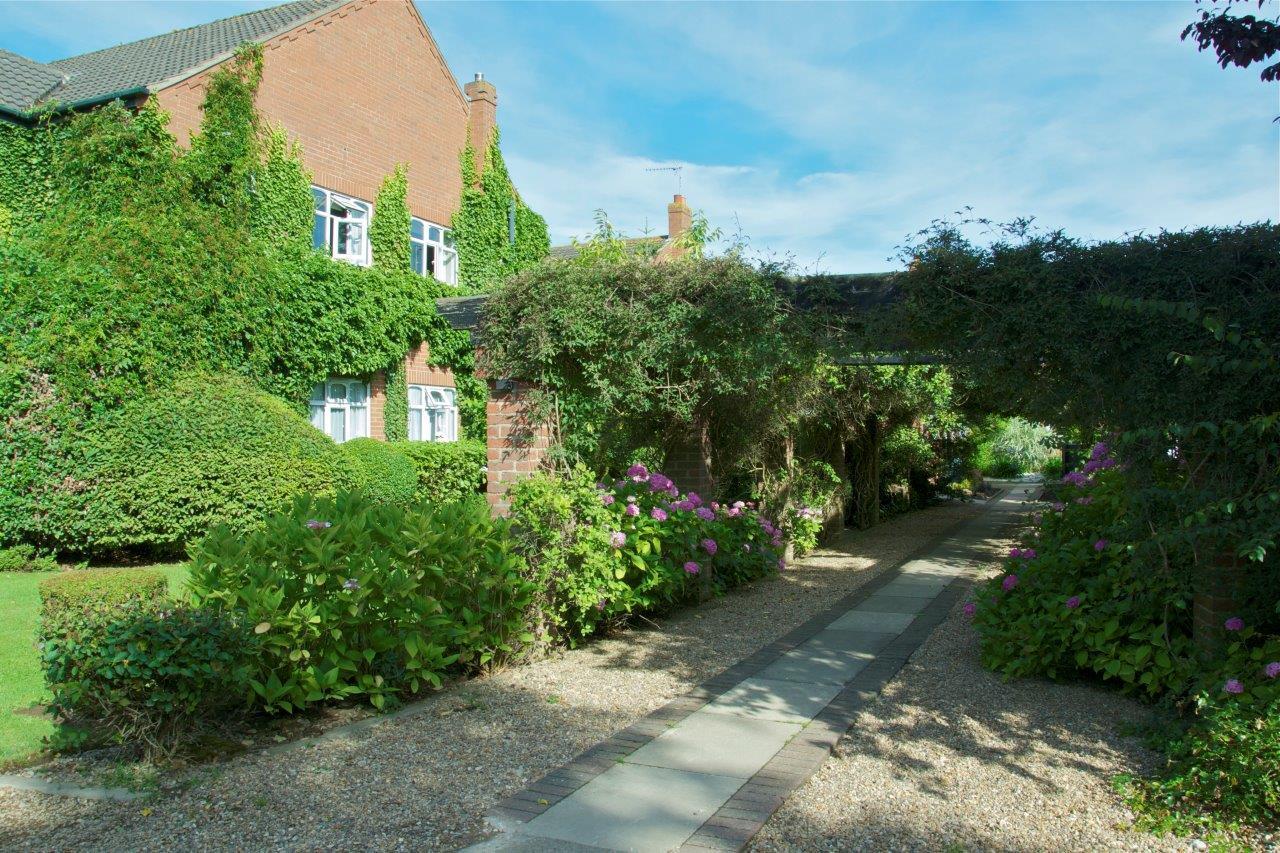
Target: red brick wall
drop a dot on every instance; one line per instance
(362, 89)
(517, 447)
(417, 371)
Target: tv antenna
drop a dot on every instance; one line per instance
(675, 169)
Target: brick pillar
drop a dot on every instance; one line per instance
(482, 97)
(1217, 599)
(689, 464)
(517, 445)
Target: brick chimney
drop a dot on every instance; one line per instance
(679, 218)
(482, 117)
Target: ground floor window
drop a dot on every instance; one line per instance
(432, 251)
(433, 413)
(340, 408)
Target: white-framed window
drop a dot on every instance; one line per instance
(432, 251)
(433, 413)
(341, 226)
(340, 408)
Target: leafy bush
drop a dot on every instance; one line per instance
(74, 604)
(23, 558)
(600, 552)
(149, 676)
(211, 450)
(382, 472)
(802, 495)
(447, 471)
(350, 598)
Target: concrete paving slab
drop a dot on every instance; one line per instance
(719, 744)
(916, 586)
(883, 602)
(872, 621)
(770, 699)
(830, 657)
(636, 807)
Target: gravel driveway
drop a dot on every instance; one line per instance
(423, 782)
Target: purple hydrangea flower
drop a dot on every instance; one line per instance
(1009, 582)
(1085, 501)
(632, 510)
(782, 565)
(706, 514)
(1101, 545)
(694, 498)
(683, 505)
(970, 608)
(638, 472)
(1075, 478)
(1015, 552)
(317, 524)
(1235, 623)
(659, 482)
(351, 584)
(617, 539)
(1099, 450)
(1073, 602)
(658, 514)
(607, 499)
(1028, 553)
(1058, 506)
(1233, 687)
(692, 568)
(1272, 669)
(710, 546)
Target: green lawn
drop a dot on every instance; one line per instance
(21, 684)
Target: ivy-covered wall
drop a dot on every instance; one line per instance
(481, 227)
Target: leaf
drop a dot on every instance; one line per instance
(262, 628)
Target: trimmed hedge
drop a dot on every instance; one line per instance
(447, 472)
(382, 472)
(71, 601)
(210, 450)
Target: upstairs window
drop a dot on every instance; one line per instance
(433, 413)
(341, 226)
(340, 409)
(432, 251)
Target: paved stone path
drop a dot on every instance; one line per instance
(707, 770)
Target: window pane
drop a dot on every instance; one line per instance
(416, 258)
(317, 393)
(356, 419)
(446, 394)
(415, 425)
(415, 395)
(337, 392)
(338, 424)
(357, 392)
(415, 229)
(433, 234)
(318, 231)
(436, 397)
(449, 267)
(448, 239)
(319, 195)
(431, 260)
(317, 416)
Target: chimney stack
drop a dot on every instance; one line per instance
(482, 97)
(679, 217)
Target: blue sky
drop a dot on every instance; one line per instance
(829, 132)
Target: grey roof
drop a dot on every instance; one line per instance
(461, 312)
(23, 82)
(149, 61)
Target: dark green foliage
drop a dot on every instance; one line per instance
(389, 231)
(281, 206)
(567, 527)
(24, 558)
(481, 226)
(72, 603)
(225, 151)
(146, 676)
(446, 472)
(395, 407)
(382, 472)
(349, 598)
(209, 450)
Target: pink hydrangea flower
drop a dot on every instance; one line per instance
(1073, 602)
(632, 510)
(638, 472)
(692, 568)
(706, 514)
(709, 545)
(607, 499)
(1101, 545)
(738, 504)
(658, 514)
(970, 608)
(1272, 669)
(617, 539)
(1235, 623)
(1028, 553)
(1009, 582)
(1233, 687)
(734, 512)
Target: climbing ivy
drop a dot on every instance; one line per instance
(481, 227)
(389, 231)
(282, 208)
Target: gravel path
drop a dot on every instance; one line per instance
(949, 757)
(423, 782)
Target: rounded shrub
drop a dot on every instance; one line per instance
(210, 450)
(382, 472)
(446, 472)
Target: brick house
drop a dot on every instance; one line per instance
(362, 86)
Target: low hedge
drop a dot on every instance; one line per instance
(448, 472)
(75, 603)
(24, 558)
(209, 450)
(383, 472)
